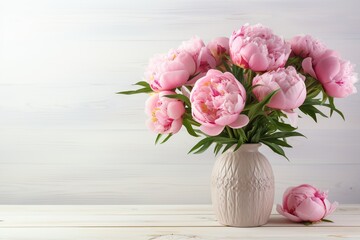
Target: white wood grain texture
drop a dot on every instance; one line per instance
(180, 233)
(85, 210)
(159, 222)
(66, 138)
(144, 216)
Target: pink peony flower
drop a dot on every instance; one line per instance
(257, 48)
(200, 54)
(165, 113)
(169, 71)
(307, 46)
(335, 74)
(292, 89)
(305, 203)
(218, 48)
(217, 100)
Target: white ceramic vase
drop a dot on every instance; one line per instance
(242, 187)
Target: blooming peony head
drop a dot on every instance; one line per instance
(169, 71)
(257, 48)
(335, 74)
(307, 46)
(305, 203)
(291, 86)
(165, 114)
(202, 56)
(219, 47)
(217, 100)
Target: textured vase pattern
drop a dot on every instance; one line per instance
(242, 187)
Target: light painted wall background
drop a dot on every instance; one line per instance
(66, 138)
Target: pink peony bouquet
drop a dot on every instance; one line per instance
(249, 88)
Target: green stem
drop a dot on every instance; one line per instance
(231, 135)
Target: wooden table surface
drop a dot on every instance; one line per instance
(156, 222)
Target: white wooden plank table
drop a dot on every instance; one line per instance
(157, 222)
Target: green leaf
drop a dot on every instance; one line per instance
(143, 83)
(187, 124)
(217, 148)
(227, 147)
(131, 92)
(275, 148)
(258, 108)
(283, 135)
(307, 223)
(227, 66)
(326, 220)
(308, 111)
(281, 126)
(167, 138)
(332, 107)
(200, 143)
(279, 142)
(205, 143)
(315, 110)
(204, 147)
(158, 138)
(181, 97)
(224, 139)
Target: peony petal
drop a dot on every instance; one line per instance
(248, 51)
(226, 120)
(150, 104)
(198, 115)
(175, 109)
(213, 130)
(310, 210)
(240, 122)
(291, 217)
(327, 68)
(193, 80)
(286, 196)
(278, 101)
(308, 66)
(175, 126)
(173, 79)
(258, 62)
(187, 61)
(332, 208)
(333, 89)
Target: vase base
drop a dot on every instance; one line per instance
(243, 226)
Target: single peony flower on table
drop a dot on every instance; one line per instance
(217, 100)
(169, 71)
(165, 114)
(257, 48)
(291, 86)
(305, 203)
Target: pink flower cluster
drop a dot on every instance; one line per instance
(165, 114)
(191, 60)
(218, 99)
(335, 74)
(290, 85)
(257, 48)
(305, 203)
